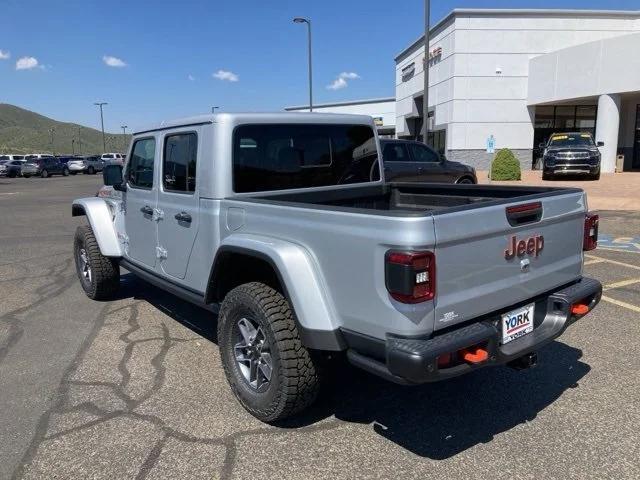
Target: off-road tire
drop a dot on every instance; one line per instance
(105, 272)
(295, 377)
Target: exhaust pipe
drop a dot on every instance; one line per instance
(524, 362)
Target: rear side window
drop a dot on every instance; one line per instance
(422, 153)
(140, 167)
(18, 157)
(279, 157)
(4, 157)
(395, 152)
(179, 162)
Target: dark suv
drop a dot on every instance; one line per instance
(50, 166)
(411, 161)
(570, 154)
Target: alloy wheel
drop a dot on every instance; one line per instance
(85, 267)
(253, 355)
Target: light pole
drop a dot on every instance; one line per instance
(213, 109)
(79, 141)
(51, 132)
(124, 136)
(73, 150)
(104, 143)
(308, 22)
(425, 97)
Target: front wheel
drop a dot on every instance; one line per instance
(44, 174)
(98, 275)
(269, 370)
(465, 181)
(91, 171)
(65, 172)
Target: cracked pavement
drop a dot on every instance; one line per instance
(133, 388)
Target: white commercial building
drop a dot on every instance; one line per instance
(383, 111)
(510, 78)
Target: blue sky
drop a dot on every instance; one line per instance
(170, 51)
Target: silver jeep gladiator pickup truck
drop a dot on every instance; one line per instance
(283, 225)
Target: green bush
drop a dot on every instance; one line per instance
(505, 166)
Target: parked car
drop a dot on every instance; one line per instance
(94, 163)
(38, 156)
(116, 158)
(21, 168)
(76, 165)
(285, 226)
(411, 161)
(8, 158)
(570, 154)
(48, 166)
(3, 170)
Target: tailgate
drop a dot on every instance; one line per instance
(473, 274)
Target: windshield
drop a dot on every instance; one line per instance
(571, 140)
(279, 157)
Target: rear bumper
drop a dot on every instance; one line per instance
(76, 168)
(415, 360)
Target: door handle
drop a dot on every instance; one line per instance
(183, 217)
(147, 210)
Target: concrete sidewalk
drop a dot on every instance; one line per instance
(614, 191)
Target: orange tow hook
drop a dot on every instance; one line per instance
(579, 309)
(474, 355)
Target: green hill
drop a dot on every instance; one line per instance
(23, 131)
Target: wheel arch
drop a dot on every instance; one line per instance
(286, 268)
(466, 176)
(101, 221)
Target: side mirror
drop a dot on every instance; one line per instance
(600, 144)
(112, 176)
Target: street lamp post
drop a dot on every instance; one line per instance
(104, 143)
(51, 132)
(124, 136)
(308, 22)
(425, 97)
(73, 149)
(79, 141)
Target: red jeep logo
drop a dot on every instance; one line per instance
(529, 246)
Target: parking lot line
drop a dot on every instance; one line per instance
(615, 262)
(594, 261)
(621, 304)
(622, 283)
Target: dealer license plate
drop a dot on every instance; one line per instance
(517, 323)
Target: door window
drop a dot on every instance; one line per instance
(179, 162)
(395, 152)
(140, 168)
(423, 154)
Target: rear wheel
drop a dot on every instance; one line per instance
(269, 370)
(44, 174)
(98, 275)
(65, 172)
(91, 170)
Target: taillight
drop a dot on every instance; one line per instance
(410, 277)
(590, 232)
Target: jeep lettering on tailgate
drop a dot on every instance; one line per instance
(530, 246)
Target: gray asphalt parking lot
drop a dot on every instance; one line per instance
(133, 388)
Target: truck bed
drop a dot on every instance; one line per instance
(413, 199)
